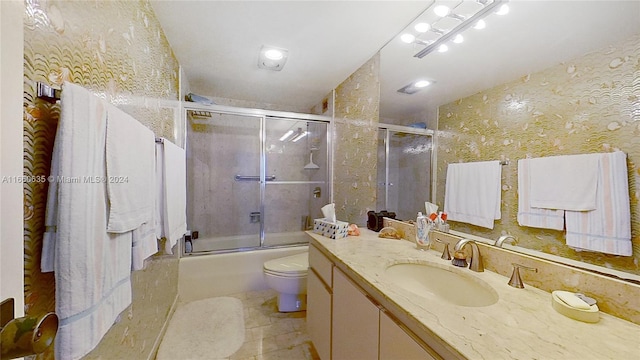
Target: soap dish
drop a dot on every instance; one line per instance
(592, 315)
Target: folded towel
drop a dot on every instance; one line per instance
(606, 229)
(565, 182)
(172, 193)
(473, 193)
(130, 153)
(92, 267)
(530, 216)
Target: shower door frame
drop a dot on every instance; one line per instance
(262, 115)
(407, 130)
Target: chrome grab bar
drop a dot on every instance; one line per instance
(254, 178)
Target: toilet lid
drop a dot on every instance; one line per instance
(289, 265)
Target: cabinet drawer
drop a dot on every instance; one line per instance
(322, 266)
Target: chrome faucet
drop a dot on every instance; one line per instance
(508, 238)
(516, 280)
(476, 259)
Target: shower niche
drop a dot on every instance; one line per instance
(254, 180)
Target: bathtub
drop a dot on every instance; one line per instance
(211, 275)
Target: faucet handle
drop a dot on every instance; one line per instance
(515, 279)
(446, 255)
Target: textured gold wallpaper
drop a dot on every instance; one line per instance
(586, 105)
(116, 49)
(356, 139)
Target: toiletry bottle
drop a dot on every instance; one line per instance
(422, 232)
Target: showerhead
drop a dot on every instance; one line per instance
(311, 165)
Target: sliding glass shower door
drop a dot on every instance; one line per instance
(223, 180)
(296, 158)
(404, 171)
(253, 180)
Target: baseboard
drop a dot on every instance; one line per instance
(156, 344)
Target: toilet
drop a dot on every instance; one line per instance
(288, 276)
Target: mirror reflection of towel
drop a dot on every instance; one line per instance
(473, 193)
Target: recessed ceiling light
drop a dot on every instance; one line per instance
(273, 54)
(443, 48)
(272, 58)
(415, 86)
(458, 39)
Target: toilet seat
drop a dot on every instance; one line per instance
(293, 266)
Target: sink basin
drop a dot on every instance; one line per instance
(445, 283)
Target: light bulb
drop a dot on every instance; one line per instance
(480, 25)
(443, 48)
(504, 10)
(421, 83)
(422, 27)
(458, 39)
(273, 54)
(408, 38)
(441, 10)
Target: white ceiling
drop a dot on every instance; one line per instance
(217, 44)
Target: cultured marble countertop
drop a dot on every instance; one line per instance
(521, 325)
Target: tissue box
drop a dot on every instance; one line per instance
(329, 229)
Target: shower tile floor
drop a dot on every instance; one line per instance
(270, 334)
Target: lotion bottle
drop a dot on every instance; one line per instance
(422, 232)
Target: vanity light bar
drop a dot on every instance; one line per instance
(460, 28)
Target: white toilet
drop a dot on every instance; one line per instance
(288, 276)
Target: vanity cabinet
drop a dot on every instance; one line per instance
(355, 321)
(319, 298)
(345, 323)
(397, 343)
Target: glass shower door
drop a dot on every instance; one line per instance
(223, 180)
(296, 155)
(404, 172)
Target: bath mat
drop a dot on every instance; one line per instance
(204, 329)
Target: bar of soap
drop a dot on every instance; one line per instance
(572, 300)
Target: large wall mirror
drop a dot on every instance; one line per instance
(549, 78)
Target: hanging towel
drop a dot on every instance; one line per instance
(172, 193)
(472, 193)
(130, 171)
(530, 216)
(565, 182)
(92, 267)
(144, 244)
(606, 229)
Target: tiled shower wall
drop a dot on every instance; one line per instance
(586, 105)
(357, 102)
(117, 50)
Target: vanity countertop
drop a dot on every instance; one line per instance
(521, 325)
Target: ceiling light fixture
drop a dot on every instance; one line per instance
(415, 86)
(272, 58)
(467, 20)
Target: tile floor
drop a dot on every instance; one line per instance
(270, 334)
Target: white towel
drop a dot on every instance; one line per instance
(473, 193)
(172, 193)
(130, 171)
(566, 182)
(534, 217)
(92, 267)
(608, 228)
